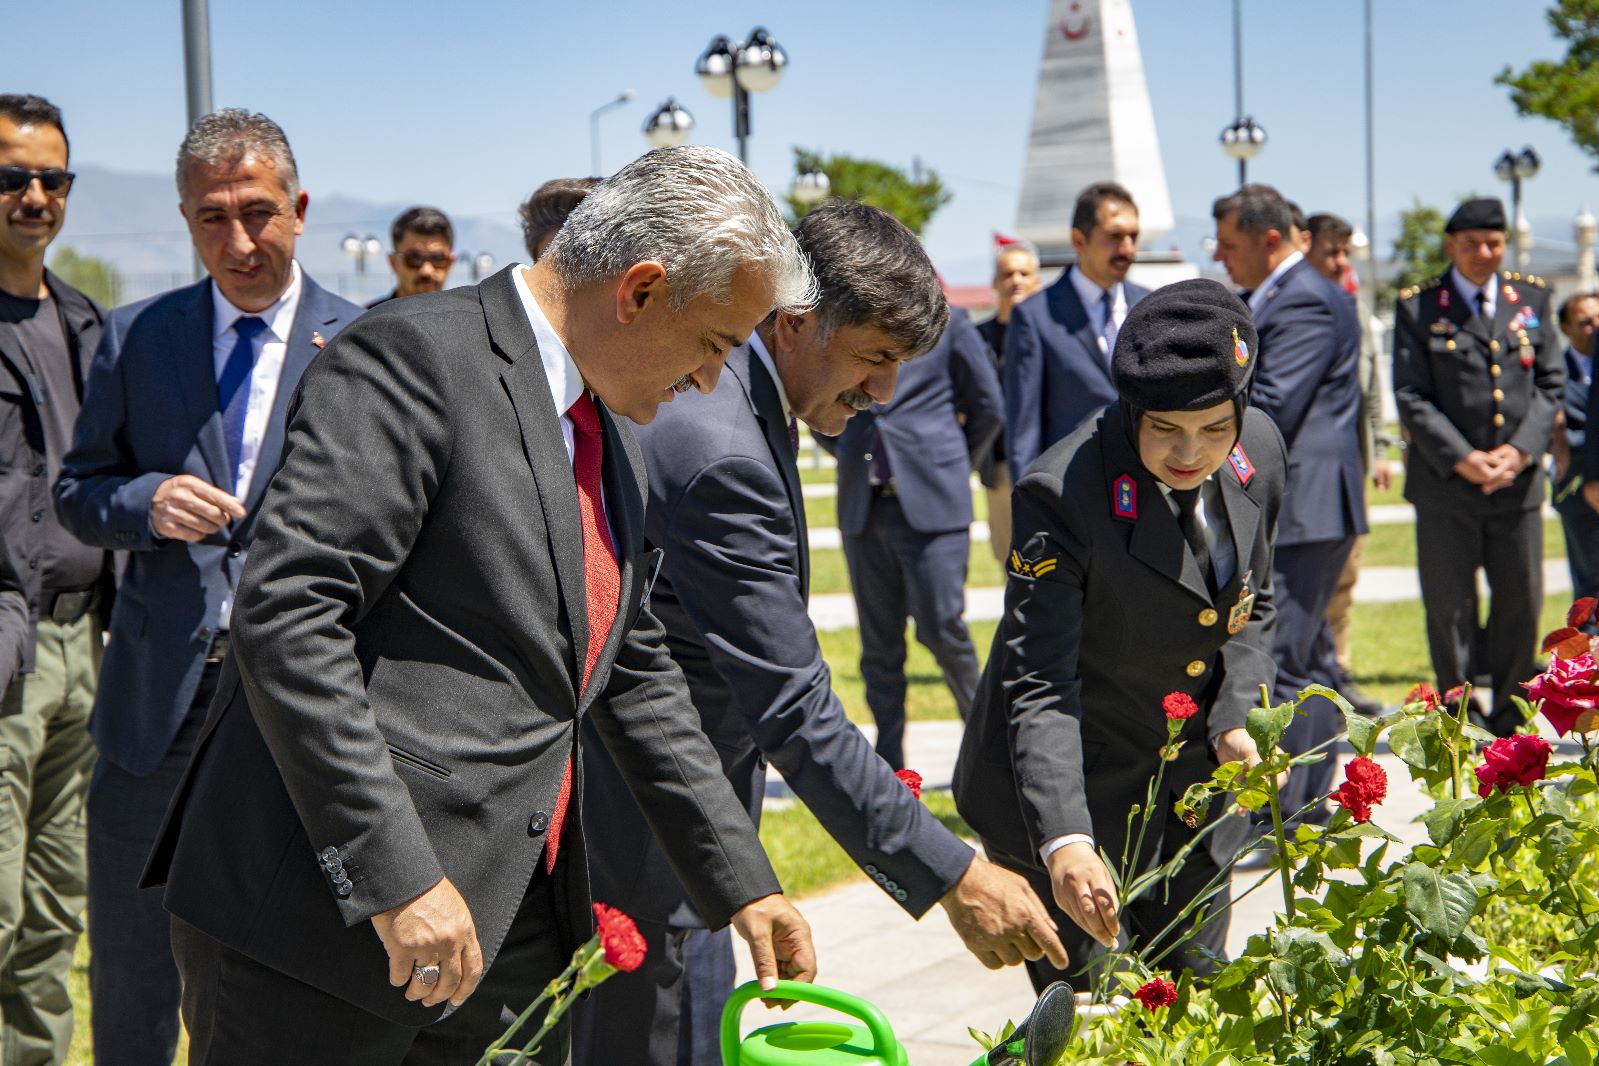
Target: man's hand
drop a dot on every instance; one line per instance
(1477, 467)
(1236, 745)
(779, 940)
(999, 918)
(186, 508)
(1382, 474)
(1084, 890)
(1508, 462)
(434, 929)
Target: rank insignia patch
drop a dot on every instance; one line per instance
(1124, 497)
(1241, 464)
(1240, 350)
(1511, 294)
(1443, 297)
(1031, 568)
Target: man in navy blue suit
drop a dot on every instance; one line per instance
(905, 512)
(1057, 349)
(726, 509)
(1307, 378)
(181, 429)
(1579, 321)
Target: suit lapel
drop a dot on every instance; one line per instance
(1080, 324)
(544, 448)
(768, 406)
(1243, 517)
(313, 316)
(1155, 539)
(1504, 309)
(191, 345)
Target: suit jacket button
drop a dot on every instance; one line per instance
(328, 854)
(539, 822)
(1196, 668)
(1208, 617)
(870, 869)
(1499, 396)
(1495, 370)
(902, 895)
(235, 550)
(880, 878)
(344, 888)
(1450, 345)
(1493, 346)
(891, 886)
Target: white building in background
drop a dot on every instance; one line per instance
(1092, 121)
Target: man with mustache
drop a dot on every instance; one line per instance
(726, 508)
(54, 595)
(1058, 346)
(182, 426)
(424, 252)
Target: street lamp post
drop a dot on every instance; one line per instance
(481, 265)
(1587, 228)
(1244, 139)
(594, 128)
(668, 125)
(1515, 169)
(736, 70)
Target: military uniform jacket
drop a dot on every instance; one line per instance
(1461, 387)
(1105, 614)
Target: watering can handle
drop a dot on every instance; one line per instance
(883, 1041)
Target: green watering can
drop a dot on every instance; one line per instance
(1038, 1041)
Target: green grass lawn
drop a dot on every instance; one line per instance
(830, 574)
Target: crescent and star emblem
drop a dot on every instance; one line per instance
(1081, 31)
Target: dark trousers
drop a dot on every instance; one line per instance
(666, 1013)
(1450, 548)
(1304, 578)
(1581, 525)
(241, 1013)
(895, 572)
(132, 978)
(1143, 920)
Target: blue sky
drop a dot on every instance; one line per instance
(471, 104)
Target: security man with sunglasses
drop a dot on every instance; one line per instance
(52, 606)
(424, 252)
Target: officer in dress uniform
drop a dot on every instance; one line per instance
(1478, 377)
(1140, 567)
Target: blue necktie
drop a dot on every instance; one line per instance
(233, 389)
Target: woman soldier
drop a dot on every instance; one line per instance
(1140, 567)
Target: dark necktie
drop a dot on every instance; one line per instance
(882, 470)
(1109, 329)
(602, 578)
(233, 389)
(793, 435)
(1194, 533)
(1484, 311)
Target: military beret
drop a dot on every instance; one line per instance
(1486, 212)
(1184, 347)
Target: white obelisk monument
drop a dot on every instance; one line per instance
(1091, 122)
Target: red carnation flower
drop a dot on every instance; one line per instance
(1581, 611)
(1569, 691)
(1155, 993)
(624, 947)
(913, 781)
(1453, 697)
(1519, 759)
(1179, 706)
(1365, 785)
(1424, 694)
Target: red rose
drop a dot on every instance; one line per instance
(1424, 694)
(1365, 785)
(1155, 993)
(1581, 611)
(1179, 706)
(913, 781)
(1568, 690)
(624, 947)
(1519, 759)
(1453, 697)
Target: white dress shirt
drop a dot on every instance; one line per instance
(1093, 298)
(771, 368)
(1468, 292)
(1257, 298)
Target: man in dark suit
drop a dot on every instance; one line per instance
(1307, 378)
(384, 809)
(1579, 321)
(51, 612)
(181, 427)
(424, 252)
(1058, 346)
(1015, 279)
(905, 512)
(726, 509)
(1479, 379)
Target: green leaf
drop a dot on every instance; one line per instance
(1440, 904)
(1307, 966)
(1443, 821)
(1266, 725)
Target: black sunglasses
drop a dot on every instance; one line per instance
(55, 181)
(415, 259)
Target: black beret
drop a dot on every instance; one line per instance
(1184, 347)
(1487, 212)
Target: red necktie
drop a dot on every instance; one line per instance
(602, 577)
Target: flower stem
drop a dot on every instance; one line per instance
(551, 989)
(1277, 821)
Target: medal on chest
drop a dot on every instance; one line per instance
(1238, 617)
(1526, 349)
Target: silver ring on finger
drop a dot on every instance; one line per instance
(426, 976)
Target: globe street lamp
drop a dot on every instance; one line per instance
(1513, 168)
(668, 125)
(810, 188)
(594, 127)
(481, 265)
(736, 70)
(1242, 141)
(361, 249)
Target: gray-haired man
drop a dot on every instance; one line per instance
(182, 425)
(450, 575)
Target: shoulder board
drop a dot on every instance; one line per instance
(1421, 287)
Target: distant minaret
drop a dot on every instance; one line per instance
(1091, 122)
